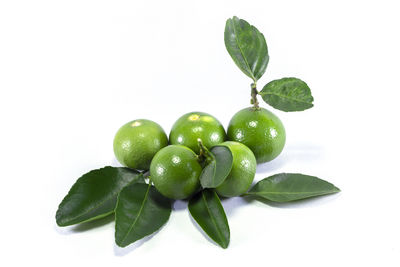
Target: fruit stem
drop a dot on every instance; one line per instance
(254, 94)
(204, 154)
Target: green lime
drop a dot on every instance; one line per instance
(242, 173)
(194, 125)
(175, 172)
(136, 143)
(260, 130)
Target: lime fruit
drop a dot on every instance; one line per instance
(175, 172)
(194, 125)
(242, 173)
(260, 130)
(136, 143)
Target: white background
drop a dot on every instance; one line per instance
(72, 72)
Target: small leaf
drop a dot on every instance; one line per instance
(215, 173)
(285, 187)
(141, 210)
(247, 47)
(206, 209)
(94, 195)
(287, 94)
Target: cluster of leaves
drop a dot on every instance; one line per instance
(248, 49)
(140, 209)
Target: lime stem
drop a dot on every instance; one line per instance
(254, 94)
(204, 153)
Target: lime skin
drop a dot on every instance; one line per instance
(242, 173)
(260, 130)
(175, 172)
(194, 125)
(136, 143)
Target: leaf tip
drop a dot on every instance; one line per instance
(120, 244)
(229, 20)
(60, 223)
(120, 241)
(336, 189)
(224, 245)
(60, 219)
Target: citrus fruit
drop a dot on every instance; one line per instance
(194, 125)
(136, 143)
(242, 173)
(175, 172)
(260, 130)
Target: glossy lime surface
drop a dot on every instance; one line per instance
(260, 130)
(136, 143)
(243, 171)
(191, 126)
(175, 172)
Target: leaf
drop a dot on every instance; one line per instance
(215, 173)
(287, 94)
(94, 195)
(206, 209)
(141, 210)
(285, 187)
(247, 47)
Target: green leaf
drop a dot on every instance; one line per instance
(247, 47)
(216, 171)
(141, 210)
(287, 94)
(285, 187)
(94, 195)
(206, 209)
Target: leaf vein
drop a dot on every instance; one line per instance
(137, 217)
(290, 193)
(241, 51)
(212, 219)
(287, 97)
(94, 207)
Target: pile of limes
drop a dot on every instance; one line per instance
(255, 135)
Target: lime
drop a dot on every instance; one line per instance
(260, 130)
(136, 143)
(242, 173)
(194, 125)
(175, 172)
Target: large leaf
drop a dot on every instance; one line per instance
(285, 187)
(287, 94)
(94, 195)
(206, 209)
(141, 210)
(247, 47)
(216, 171)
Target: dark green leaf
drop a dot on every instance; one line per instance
(216, 171)
(94, 195)
(141, 210)
(206, 209)
(285, 187)
(247, 47)
(287, 94)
